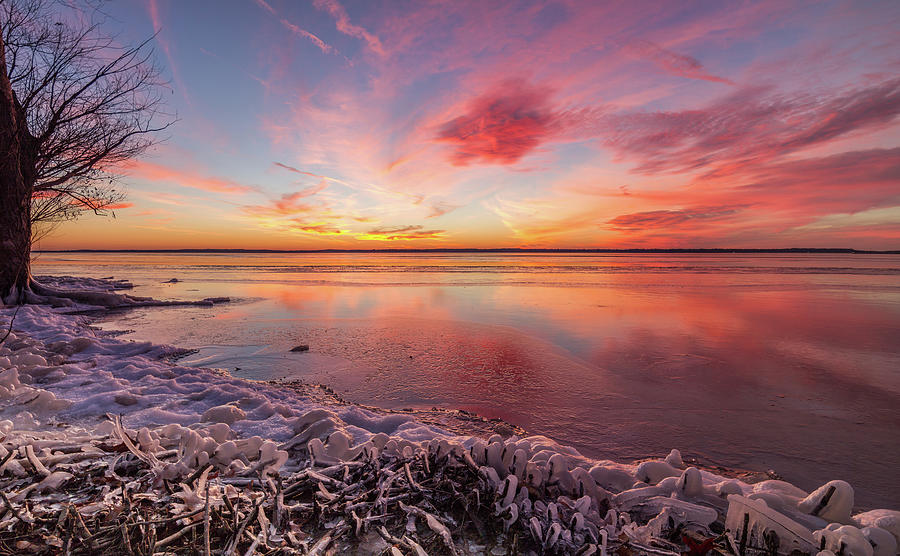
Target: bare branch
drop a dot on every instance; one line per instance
(89, 103)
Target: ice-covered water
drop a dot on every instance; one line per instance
(785, 362)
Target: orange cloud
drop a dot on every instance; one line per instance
(318, 229)
(401, 232)
(784, 203)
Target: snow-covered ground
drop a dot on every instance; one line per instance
(55, 370)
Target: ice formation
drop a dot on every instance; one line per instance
(182, 422)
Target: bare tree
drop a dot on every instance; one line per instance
(73, 103)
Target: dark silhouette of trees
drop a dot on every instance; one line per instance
(73, 103)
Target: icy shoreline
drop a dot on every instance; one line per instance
(58, 374)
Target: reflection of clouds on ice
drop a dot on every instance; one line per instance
(781, 359)
(56, 370)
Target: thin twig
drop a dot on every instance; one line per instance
(206, 523)
(11, 320)
(10, 506)
(175, 536)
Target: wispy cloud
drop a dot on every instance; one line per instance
(288, 204)
(162, 40)
(401, 232)
(310, 174)
(296, 170)
(777, 202)
(265, 5)
(441, 208)
(326, 48)
(297, 30)
(672, 62)
(316, 229)
(751, 126)
(669, 219)
(141, 169)
(342, 21)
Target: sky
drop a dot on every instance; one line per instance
(313, 124)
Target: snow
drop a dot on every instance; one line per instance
(55, 369)
(226, 414)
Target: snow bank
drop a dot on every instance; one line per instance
(55, 369)
(81, 375)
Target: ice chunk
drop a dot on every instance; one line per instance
(690, 484)
(832, 501)
(271, 458)
(882, 541)
(227, 414)
(752, 522)
(845, 540)
(28, 359)
(9, 381)
(889, 520)
(652, 472)
(674, 458)
(301, 423)
(611, 477)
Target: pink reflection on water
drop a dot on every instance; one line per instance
(784, 362)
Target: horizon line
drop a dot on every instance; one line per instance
(833, 250)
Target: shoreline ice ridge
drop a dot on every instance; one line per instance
(57, 374)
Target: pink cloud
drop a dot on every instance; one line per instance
(288, 204)
(502, 125)
(752, 126)
(441, 208)
(773, 204)
(265, 5)
(672, 62)
(326, 48)
(845, 182)
(149, 171)
(342, 21)
(639, 221)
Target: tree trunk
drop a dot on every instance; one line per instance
(15, 194)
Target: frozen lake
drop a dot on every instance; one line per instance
(784, 362)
